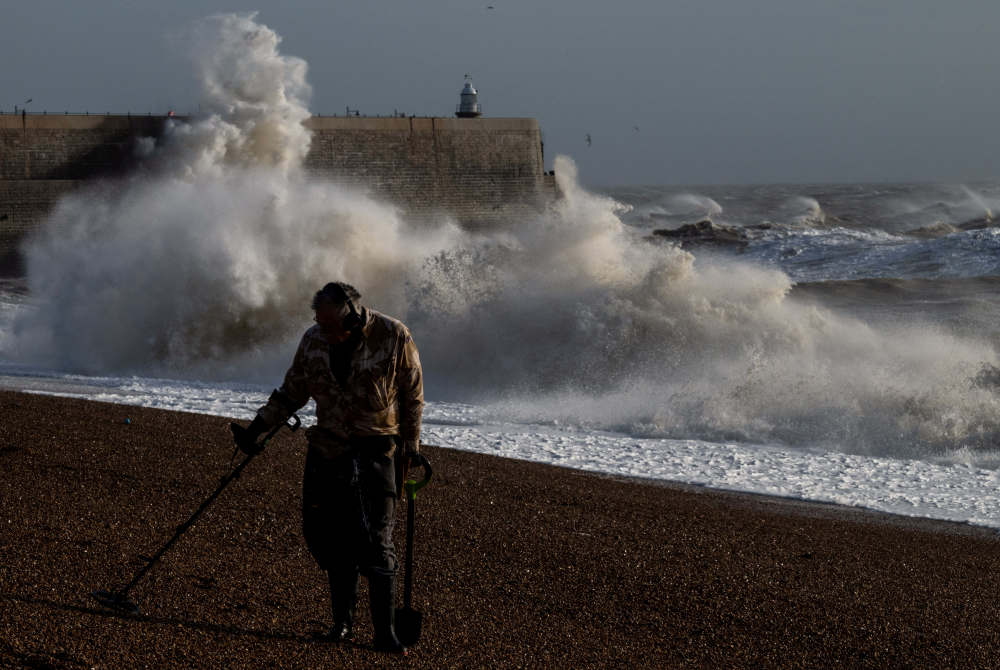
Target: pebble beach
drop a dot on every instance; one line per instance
(518, 565)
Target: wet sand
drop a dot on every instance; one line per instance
(518, 564)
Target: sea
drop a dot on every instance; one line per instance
(830, 343)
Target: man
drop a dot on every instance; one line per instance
(362, 369)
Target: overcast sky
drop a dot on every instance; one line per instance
(670, 92)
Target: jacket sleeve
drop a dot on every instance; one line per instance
(293, 394)
(409, 377)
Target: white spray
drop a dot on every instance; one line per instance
(212, 251)
(692, 205)
(806, 211)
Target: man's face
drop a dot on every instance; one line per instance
(330, 318)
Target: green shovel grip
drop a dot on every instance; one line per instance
(411, 486)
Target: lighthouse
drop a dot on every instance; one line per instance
(469, 107)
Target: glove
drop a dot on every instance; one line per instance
(246, 438)
(410, 448)
(407, 460)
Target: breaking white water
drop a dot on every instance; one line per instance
(568, 338)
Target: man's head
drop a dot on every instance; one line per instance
(335, 311)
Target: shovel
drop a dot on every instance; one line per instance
(408, 620)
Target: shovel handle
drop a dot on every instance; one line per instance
(412, 486)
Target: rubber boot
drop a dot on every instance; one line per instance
(382, 589)
(343, 599)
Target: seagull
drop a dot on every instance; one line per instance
(635, 128)
(489, 6)
(588, 139)
(28, 100)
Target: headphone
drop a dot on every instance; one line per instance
(353, 320)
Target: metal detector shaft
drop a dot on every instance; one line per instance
(293, 423)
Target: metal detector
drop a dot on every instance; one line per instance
(118, 599)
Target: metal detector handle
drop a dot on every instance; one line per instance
(411, 485)
(293, 422)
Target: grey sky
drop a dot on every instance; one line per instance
(722, 91)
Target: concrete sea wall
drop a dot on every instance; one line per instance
(478, 171)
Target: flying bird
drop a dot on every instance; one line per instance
(635, 128)
(489, 6)
(28, 100)
(588, 139)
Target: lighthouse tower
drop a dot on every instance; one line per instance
(469, 107)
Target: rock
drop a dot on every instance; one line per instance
(705, 233)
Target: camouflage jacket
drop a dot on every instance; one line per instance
(383, 393)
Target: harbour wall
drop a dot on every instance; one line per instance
(477, 171)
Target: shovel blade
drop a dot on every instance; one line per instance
(408, 622)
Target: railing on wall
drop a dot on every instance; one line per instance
(22, 112)
(185, 115)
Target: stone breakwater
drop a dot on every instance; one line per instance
(478, 171)
(517, 565)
